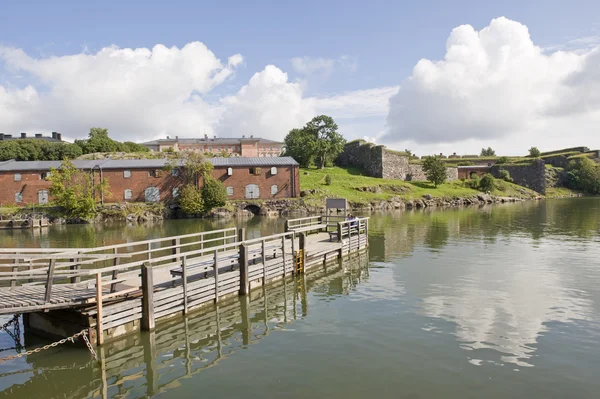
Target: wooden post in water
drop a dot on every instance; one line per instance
(243, 269)
(99, 328)
(184, 285)
(147, 298)
(302, 245)
(75, 279)
(264, 261)
(15, 269)
(283, 254)
(50, 280)
(115, 273)
(287, 226)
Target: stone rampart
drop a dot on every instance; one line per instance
(532, 176)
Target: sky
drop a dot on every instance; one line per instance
(429, 76)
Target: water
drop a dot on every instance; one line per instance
(499, 301)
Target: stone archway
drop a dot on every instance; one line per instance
(255, 209)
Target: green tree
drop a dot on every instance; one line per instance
(584, 175)
(488, 152)
(505, 175)
(214, 193)
(486, 183)
(190, 200)
(37, 150)
(502, 160)
(190, 166)
(318, 141)
(435, 170)
(534, 152)
(73, 190)
(130, 146)
(99, 141)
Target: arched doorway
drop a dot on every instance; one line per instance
(255, 209)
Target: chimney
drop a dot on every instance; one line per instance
(167, 137)
(23, 135)
(8, 136)
(38, 135)
(215, 136)
(59, 136)
(251, 136)
(53, 135)
(1, 136)
(243, 136)
(205, 136)
(441, 154)
(176, 137)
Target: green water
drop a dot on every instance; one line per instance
(495, 302)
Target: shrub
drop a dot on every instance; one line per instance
(328, 180)
(534, 152)
(486, 183)
(213, 193)
(435, 170)
(473, 182)
(190, 200)
(505, 175)
(502, 160)
(584, 175)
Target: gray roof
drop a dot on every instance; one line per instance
(13, 165)
(473, 167)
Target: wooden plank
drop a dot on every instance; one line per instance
(50, 280)
(216, 277)
(148, 322)
(184, 283)
(243, 269)
(99, 328)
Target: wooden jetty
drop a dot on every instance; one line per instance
(116, 289)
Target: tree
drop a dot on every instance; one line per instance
(534, 152)
(37, 150)
(99, 141)
(190, 200)
(584, 175)
(213, 193)
(130, 146)
(191, 166)
(73, 190)
(501, 160)
(486, 183)
(505, 175)
(435, 170)
(317, 141)
(488, 152)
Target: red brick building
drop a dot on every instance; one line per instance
(146, 180)
(241, 147)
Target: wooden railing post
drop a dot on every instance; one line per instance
(367, 231)
(244, 289)
(287, 226)
(99, 327)
(75, 279)
(176, 251)
(302, 245)
(283, 254)
(339, 232)
(241, 234)
(216, 267)
(264, 261)
(15, 269)
(50, 280)
(147, 298)
(184, 284)
(115, 273)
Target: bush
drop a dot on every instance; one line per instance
(584, 175)
(534, 152)
(486, 183)
(502, 160)
(213, 193)
(505, 175)
(435, 170)
(190, 200)
(473, 182)
(328, 180)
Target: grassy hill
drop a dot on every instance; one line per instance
(349, 183)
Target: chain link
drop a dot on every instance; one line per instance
(8, 323)
(71, 339)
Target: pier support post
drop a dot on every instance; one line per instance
(243, 269)
(184, 284)
(99, 327)
(147, 298)
(50, 280)
(176, 243)
(302, 245)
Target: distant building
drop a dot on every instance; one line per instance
(146, 180)
(241, 147)
(56, 137)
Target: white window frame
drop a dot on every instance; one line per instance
(229, 190)
(18, 197)
(175, 192)
(18, 177)
(273, 170)
(126, 174)
(274, 189)
(127, 191)
(43, 175)
(229, 171)
(175, 172)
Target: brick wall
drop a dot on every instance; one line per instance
(287, 180)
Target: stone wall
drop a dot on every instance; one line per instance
(531, 176)
(377, 161)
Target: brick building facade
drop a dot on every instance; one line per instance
(242, 147)
(147, 180)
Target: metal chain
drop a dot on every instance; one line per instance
(55, 344)
(8, 323)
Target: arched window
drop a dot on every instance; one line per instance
(274, 189)
(127, 194)
(152, 194)
(230, 191)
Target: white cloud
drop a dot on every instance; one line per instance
(496, 86)
(311, 65)
(357, 103)
(135, 93)
(268, 106)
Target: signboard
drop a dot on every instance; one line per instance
(337, 203)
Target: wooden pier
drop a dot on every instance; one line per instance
(116, 289)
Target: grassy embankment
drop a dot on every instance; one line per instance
(349, 183)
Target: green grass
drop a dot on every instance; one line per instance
(558, 192)
(349, 183)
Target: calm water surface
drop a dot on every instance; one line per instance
(492, 302)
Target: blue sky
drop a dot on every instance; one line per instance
(364, 45)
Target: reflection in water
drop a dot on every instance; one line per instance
(145, 364)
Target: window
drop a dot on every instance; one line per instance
(274, 189)
(230, 191)
(252, 191)
(255, 171)
(175, 172)
(127, 194)
(229, 171)
(175, 192)
(18, 197)
(17, 177)
(152, 194)
(126, 174)
(152, 173)
(43, 175)
(273, 170)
